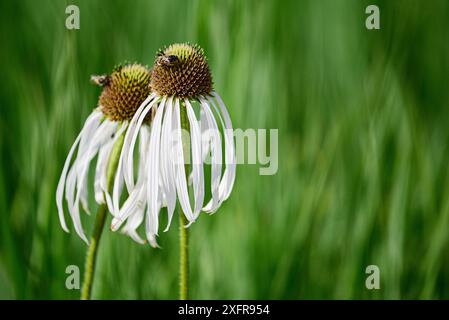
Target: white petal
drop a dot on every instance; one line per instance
(103, 177)
(228, 179)
(100, 171)
(126, 155)
(152, 240)
(134, 201)
(150, 234)
(102, 165)
(75, 172)
(95, 116)
(83, 146)
(70, 185)
(144, 142)
(120, 174)
(135, 236)
(130, 141)
(101, 136)
(97, 139)
(133, 223)
(216, 156)
(132, 126)
(153, 168)
(181, 183)
(205, 133)
(89, 131)
(77, 223)
(197, 160)
(61, 183)
(167, 165)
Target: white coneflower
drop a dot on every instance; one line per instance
(180, 80)
(124, 91)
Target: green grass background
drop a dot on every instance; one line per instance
(363, 147)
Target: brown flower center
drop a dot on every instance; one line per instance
(181, 70)
(123, 91)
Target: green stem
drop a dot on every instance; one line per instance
(183, 258)
(91, 256)
(100, 219)
(183, 231)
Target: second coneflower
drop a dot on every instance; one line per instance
(124, 91)
(103, 137)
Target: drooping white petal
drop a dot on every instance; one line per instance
(73, 175)
(144, 142)
(133, 210)
(213, 136)
(117, 187)
(130, 141)
(85, 141)
(181, 183)
(137, 197)
(205, 134)
(149, 229)
(101, 188)
(130, 137)
(135, 200)
(197, 160)
(61, 183)
(132, 125)
(153, 169)
(161, 188)
(101, 136)
(133, 223)
(77, 223)
(113, 205)
(151, 238)
(83, 199)
(70, 185)
(167, 164)
(94, 117)
(228, 179)
(100, 171)
(89, 131)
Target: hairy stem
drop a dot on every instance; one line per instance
(91, 257)
(183, 258)
(183, 231)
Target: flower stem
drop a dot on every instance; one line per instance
(100, 219)
(183, 231)
(183, 258)
(91, 256)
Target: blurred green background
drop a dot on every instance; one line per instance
(363, 147)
